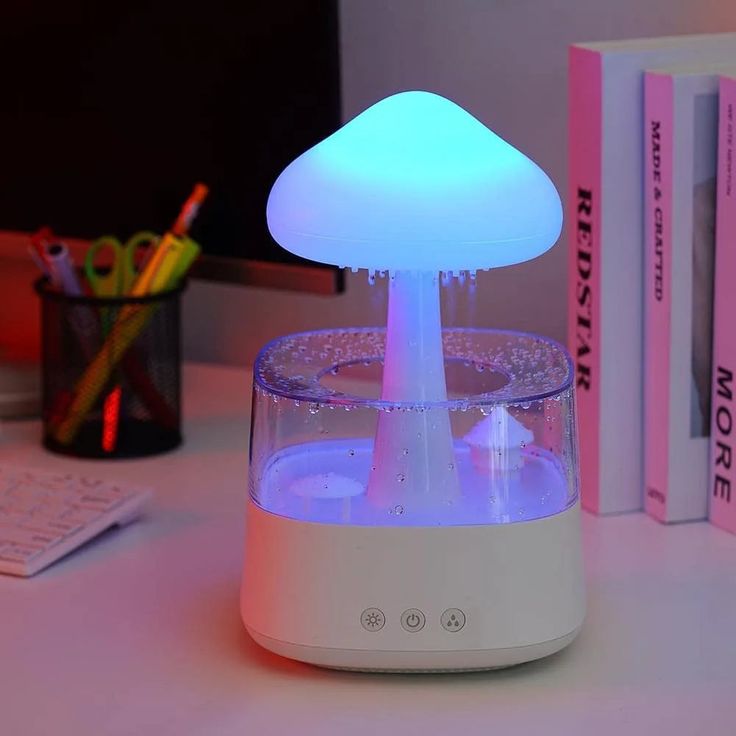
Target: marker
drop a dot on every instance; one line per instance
(63, 276)
(61, 268)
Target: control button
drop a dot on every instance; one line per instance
(413, 620)
(453, 619)
(372, 619)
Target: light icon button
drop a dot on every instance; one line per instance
(372, 619)
(453, 619)
(413, 620)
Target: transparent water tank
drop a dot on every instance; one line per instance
(501, 448)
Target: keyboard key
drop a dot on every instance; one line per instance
(12, 517)
(18, 535)
(63, 527)
(98, 501)
(79, 515)
(40, 525)
(20, 553)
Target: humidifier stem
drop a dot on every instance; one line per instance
(414, 367)
(413, 459)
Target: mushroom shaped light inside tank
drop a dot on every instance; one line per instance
(414, 186)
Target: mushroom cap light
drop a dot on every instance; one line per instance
(414, 182)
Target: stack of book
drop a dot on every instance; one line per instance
(652, 230)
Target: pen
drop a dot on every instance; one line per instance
(39, 239)
(189, 210)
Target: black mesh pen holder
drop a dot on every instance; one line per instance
(111, 370)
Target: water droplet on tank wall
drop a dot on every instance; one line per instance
(400, 477)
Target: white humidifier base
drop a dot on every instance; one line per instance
(418, 599)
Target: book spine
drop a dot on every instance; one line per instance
(658, 151)
(584, 263)
(722, 491)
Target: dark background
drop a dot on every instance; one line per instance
(110, 112)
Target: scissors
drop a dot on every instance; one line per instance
(123, 272)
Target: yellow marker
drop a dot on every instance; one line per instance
(175, 262)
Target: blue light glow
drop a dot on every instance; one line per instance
(415, 183)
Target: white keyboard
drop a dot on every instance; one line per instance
(44, 516)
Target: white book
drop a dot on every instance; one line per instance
(680, 154)
(605, 220)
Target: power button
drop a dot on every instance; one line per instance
(412, 620)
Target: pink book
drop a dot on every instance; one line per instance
(722, 510)
(605, 229)
(680, 136)
(584, 280)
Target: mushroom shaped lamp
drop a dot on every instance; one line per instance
(415, 188)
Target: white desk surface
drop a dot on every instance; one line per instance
(140, 633)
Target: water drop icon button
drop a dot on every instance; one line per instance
(372, 619)
(453, 619)
(413, 620)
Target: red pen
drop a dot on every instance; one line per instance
(190, 209)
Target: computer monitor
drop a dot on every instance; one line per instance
(110, 112)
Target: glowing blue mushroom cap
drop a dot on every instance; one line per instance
(415, 183)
